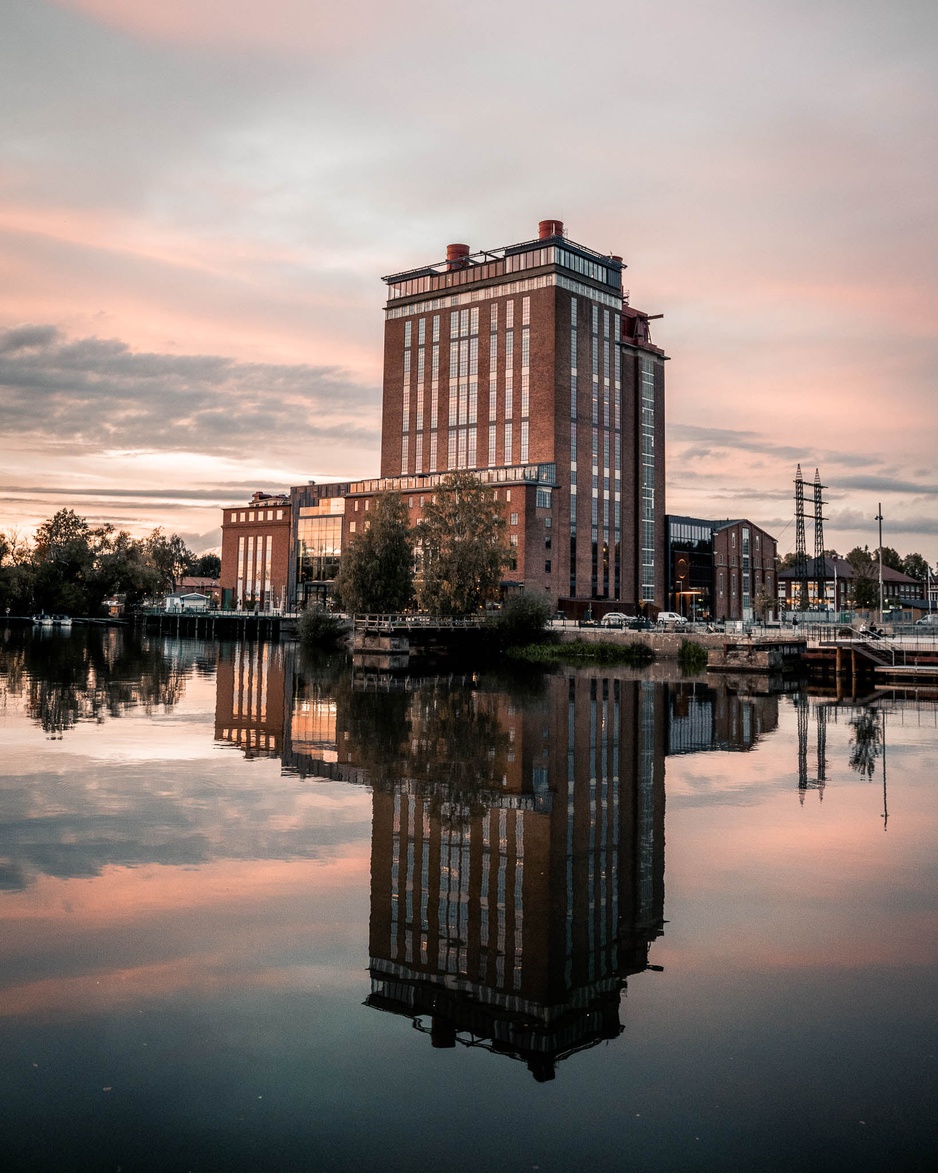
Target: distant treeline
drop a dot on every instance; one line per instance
(71, 567)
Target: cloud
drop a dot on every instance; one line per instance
(224, 489)
(94, 393)
(883, 484)
(230, 180)
(28, 338)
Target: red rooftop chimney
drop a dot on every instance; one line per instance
(548, 228)
(456, 256)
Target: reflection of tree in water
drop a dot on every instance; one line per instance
(865, 741)
(444, 735)
(460, 745)
(90, 676)
(439, 735)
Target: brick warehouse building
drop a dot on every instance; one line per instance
(719, 569)
(256, 541)
(525, 365)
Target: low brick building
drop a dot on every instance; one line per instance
(255, 554)
(830, 583)
(720, 569)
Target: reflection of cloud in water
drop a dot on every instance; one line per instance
(151, 931)
(76, 823)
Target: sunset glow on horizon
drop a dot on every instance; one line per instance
(198, 203)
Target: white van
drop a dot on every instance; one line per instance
(929, 620)
(668, 617)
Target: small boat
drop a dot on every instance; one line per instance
(43, 620)
(62, 621)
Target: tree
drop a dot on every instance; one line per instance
(63, 537)
(122, 567)
(865, 578)
(63, 561)
(764, 603)
(206, 566)
(169, 556)
(916, 566)
(377, 571)
(461, 547)
(523, 618)
(891, 558)
(318, 627)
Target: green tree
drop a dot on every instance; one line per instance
(917, 567)
(891, 558)
(377, 570)
(523, 618)
(318, 627)
(764, 604)
(461, 547)
(170, 557)
(122, 567)
(865, 577)
(63, 560)
(207, 566)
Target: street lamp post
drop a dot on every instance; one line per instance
(879, 518)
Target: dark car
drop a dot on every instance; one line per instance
(639, 624)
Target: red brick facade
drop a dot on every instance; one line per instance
(255, 554)
(527, 358)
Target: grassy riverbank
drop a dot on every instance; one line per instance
(584, 652)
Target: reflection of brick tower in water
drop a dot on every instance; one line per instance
(510, 916)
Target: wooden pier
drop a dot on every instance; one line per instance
(238, 625)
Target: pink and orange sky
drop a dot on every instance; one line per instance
(198, 200)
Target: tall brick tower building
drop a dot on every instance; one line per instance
(526, 365)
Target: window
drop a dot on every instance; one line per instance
(513, 519)
(513, 539)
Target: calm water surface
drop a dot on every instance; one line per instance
(256, 913)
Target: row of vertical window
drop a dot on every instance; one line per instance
(463, 388)
(647, 475)
(254, 567)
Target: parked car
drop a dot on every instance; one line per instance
(637, 623)
(614, 619)
(927, 621)
(668, 617)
